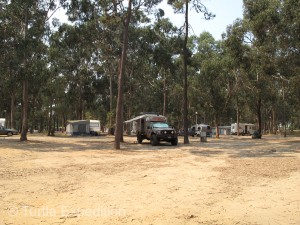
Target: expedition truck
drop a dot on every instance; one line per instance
(153, 127)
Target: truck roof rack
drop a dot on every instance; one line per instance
(149, 113)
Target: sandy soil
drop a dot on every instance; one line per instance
(82, 180)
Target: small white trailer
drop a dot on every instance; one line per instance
(83, 127)
(244, 128)
(2, 122)
(205, 128)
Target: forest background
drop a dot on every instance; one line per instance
(52, 72)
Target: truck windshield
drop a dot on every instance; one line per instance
(160, 125)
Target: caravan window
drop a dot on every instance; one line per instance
(94, 125)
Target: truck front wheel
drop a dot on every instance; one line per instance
(139, 139)
(174, 141)
(154, 140)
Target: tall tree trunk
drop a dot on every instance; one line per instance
(237, 117)
(50, 128)
(110, 99)
(274, 121)
(24, 111)
(41, 124)
(130, 99)
(80, 105)
(25, 103)
(185, 55)
(165, 96)
(217, 124)
(258, 113)
(12, 109)
(119, 110)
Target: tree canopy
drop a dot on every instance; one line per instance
(113, 61)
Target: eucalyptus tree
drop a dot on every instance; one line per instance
(288, 60)
(182, 6)
(28, 21)
(133, 8)
(235, 47)
(103, 30)
(141, 82)
(9, 65)
(9, 62)
(151, 68)
(162, 56)
(114, 19)
(213, 77)
(122, 64)
(74, 60)
(261, 19)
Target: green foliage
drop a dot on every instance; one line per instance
(73, 68)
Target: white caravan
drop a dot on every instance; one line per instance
(198, 128)
(244, 128)
(2, 122)
(83, 127)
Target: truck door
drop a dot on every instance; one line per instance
(142, 126)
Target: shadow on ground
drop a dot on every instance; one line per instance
(237, 147)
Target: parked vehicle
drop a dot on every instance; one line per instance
(191, 132)
(153, 127)
(256, 135)
(83, 127)
(7, 131)
(2, 122)
(244, 128)
(198, 128)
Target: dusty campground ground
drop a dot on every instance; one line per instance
(67, 180)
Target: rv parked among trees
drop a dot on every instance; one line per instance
(83, 127)
(2, 122)
(198, 128)
(153, 127)
(244, 128)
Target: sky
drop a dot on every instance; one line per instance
(226, 11)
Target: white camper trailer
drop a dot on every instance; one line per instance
(83, 127)
(95, 127)
(198, 128)
(2, 122)
(244, 128)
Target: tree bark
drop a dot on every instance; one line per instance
(258, 114)
(25, 103)
(119, 110)
(185, 98)
(237, 117)
(110, 99)
(12, 109)
(165, 96)
(50, 121)
(24, 112)
(217, 128)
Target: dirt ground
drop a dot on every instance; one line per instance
(82, 180)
